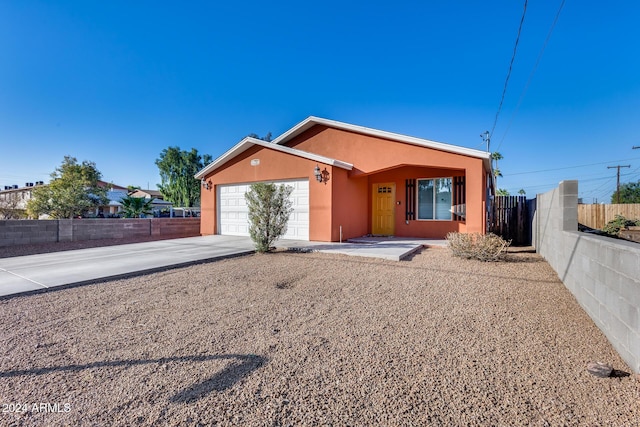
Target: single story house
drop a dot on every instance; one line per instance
(147, 194)
(350, 181)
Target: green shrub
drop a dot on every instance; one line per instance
(614, 226)
(269, 210)
(484, 247)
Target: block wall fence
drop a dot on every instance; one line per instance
(602, 273)
(21, 232)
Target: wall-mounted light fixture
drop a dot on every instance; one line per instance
(321, 176)
(317, 173)
(206, 184)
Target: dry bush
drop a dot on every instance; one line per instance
(484, 247)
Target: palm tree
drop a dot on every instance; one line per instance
(522, 192)
(136, 207)
(495, 156)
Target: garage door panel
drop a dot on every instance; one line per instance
(233, 212)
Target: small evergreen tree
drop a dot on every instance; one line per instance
(269, 211)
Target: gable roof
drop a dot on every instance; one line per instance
(309, 122)
(249, 142)
(144, 193)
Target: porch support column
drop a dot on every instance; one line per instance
(475, 197)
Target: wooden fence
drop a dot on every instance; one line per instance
(597, 216)
(509, 219)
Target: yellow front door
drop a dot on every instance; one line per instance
(383, 202)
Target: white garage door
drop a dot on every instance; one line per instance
(233, 214)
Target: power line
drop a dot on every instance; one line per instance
(570, 167)
(513, 57)
(533, 71)
(618, 184)
(580, 181)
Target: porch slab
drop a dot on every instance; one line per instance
(391, 248)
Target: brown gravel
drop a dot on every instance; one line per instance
(314, 339)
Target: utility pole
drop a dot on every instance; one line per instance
(486, 138)
(618, 185)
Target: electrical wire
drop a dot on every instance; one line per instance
(551, 185)
(513, 57)
(570, 167)
(533, 71)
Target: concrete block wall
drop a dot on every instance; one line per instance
(171, 227)
(24, 232)
(20, 232)
(602, 273)
(93, 229)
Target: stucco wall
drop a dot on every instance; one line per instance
(349, 205)
(371, 155)
(20, 232)
(345, 201)
(602, 273)
(270, 165)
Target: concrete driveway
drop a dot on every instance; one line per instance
(43, 271)
(38, 272)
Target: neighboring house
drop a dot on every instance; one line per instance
(115, 194)
(15, 198)
(351, 181)
(148, 194)
(160, 206)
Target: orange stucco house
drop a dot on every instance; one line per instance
(349, 181)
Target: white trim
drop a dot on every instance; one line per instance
(248, 142)
(306, 155)
(311, 121)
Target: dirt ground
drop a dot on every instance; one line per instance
(313, 339)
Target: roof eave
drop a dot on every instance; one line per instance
(311, 121)
(248, 142)
(237, 149)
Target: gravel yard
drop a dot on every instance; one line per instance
(313, 339)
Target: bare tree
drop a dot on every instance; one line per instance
(10, 206)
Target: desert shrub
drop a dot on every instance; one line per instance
(484, 247)
(614, 226)
(269, 210)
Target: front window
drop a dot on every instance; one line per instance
(434, 199)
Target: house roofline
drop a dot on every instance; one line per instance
(311, 121)
(249, 142)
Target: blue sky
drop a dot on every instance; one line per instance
(116, 82)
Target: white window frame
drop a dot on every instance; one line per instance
(434, 199)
